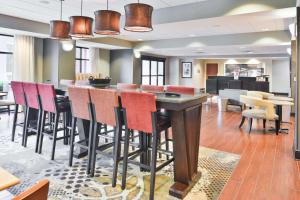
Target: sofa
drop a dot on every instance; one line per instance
(230, 97)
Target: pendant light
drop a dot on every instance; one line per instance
(59, 29)
(81, 26)
(107, 22)
(138, 17)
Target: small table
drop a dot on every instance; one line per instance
(279, 105)
(281, 98)
(7, 180)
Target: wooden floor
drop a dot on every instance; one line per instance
(266, 170)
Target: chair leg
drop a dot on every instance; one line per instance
(73, 130)
(38, 134)
(125, 159)
(93, 154)
(65, 128)
(167, 141)
(42, 132)
(264, 123)
(153, 166)
(159, 142)
(8, 109)
(242, 122)
(105, 129)
(277, 126)
(14, 123)
(25, 128)
(56, 119)
(250, 124)
(117, 149)
(90, 146)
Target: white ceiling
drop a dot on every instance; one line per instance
(233, 50)
(46, 10)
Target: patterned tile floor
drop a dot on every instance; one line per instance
(72, 182)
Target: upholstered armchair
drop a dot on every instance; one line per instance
(261, 109)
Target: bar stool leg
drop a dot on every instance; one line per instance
(93, 154)
(38, 134)
(42, 132)
(73, 130)
(117, 149)
(167, 141)
(90, 146)
(125, 158)
(25, 128)
(153, 165)
(54, 135)
(14, 123)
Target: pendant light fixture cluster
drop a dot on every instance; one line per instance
(138, 18)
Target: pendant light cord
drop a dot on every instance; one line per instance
(106, 4)
(61, 2)
(81, 6)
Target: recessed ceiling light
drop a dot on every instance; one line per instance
(250, 52)
(242, 47)
(265, 29)
(140, 39)
(192, 35)
(217, 25)
(44, 2)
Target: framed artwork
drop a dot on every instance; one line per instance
(187, 70)
(244, 70)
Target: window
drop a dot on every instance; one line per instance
(6, 60)
(153, 71)
(82, 60)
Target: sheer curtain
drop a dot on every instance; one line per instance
(24, 58)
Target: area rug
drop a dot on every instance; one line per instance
(72, 183)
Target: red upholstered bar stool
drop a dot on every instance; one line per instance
(80, 102)
(18, 92)
(52, 106)
(152, 88)
(181, 90)
(127, 86)
(33, 104)
(106, 111)
(139, 112)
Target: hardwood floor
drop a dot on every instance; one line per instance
(267, 169)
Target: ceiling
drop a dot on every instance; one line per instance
(46, 10)
(216, 22)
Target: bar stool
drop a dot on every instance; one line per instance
(106, 111)
(127, 86)
(139, 112)
(181, 89)
(18, 92)
(152, 88)
(52, 106)
(33, 104)
(80, 102)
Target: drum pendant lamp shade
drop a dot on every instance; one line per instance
(138, 17)
(59, 29)
(81, 26)
(107, 22)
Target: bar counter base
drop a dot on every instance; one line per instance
(180, 190)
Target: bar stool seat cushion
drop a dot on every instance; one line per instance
(256, 113)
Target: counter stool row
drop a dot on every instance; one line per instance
(41, 99)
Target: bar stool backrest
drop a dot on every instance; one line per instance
(127, 86)
(105, 101)
(18, 91)
(48, 97)
(139, 108)
(39, 191)
(31, 95)
(80, 102)
(181, 89)
(152, 88)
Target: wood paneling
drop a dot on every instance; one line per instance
(211, 69)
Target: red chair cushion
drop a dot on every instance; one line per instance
(17, 88)
(80, 100)
(32, 95)
(181, 90)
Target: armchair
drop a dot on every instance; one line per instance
(262, 109)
